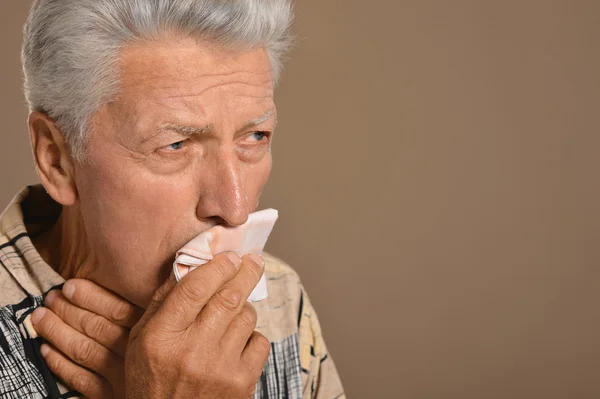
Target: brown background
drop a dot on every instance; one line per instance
(436, 175)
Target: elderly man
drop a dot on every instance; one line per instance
(151, 121)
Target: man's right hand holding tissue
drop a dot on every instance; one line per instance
(195, 339)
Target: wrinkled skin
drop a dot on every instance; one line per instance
(184, 146)
(143, 194)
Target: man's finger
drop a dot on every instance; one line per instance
(90, 296)
(190, 295)
(84, 381)
(157, 300)
(76, 346)
(225, 305)
(237, 335)
(256, 354)
(106, 333)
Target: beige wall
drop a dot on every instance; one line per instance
(436, 175)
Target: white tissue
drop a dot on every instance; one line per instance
(249, 238)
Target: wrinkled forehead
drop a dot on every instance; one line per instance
(183, 81)
(185, 67)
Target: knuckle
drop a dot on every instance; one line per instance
(48, 327)
(94, 326)
(248, 317)
(225, 268)
(120, 312)
(146, 341)
(59, 306)
(225, 379)
(202, 371)
(81, 383)
(83, 298)
(193, 291)
(229, 299)
(87, 384)
(56, 364)
(145, 346)
(191, 370)
(83, 352)
(262, 343)
(150, 347)
(162, 292)
(241, 384)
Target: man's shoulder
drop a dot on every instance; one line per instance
(23, 273)
(278, 314)
(275, 267)
(284, 285)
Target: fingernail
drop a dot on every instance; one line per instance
(68, 289)
(50, 298)
(258, 259)
(234, 258)
(44, 349)
(37, 315)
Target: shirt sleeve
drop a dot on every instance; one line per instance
(320, 378)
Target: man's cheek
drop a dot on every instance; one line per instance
(256, 184)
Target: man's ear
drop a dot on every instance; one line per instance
(53, 160)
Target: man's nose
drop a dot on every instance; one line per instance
(224, 196)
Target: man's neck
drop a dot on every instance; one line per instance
(65, 248)
(47, 244)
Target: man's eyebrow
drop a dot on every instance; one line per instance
(187, 130)
(260, 119)
(210, 128)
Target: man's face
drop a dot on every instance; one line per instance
(184, 146)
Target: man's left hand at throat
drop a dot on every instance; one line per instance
(86, 325)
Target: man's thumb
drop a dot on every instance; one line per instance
(157, 300)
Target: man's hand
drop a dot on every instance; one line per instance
(87, 327)
(197, 338)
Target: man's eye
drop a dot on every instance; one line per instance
(259, 136)
(176, 146)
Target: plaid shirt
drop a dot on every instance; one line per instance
(298, 366)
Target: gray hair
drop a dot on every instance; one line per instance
(71, 47)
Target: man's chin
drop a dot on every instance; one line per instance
(137, 288)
